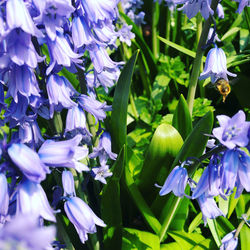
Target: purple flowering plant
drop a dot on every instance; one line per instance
(97, 114)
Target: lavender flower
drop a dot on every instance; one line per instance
(82, 217)
(103, 151)
(209, 208)
(24, 232)
(31, 199)
(28, 162)
(101, 173)
(126, 35)
(232, 131)
(229, 241)
(216, 66)
(176, 182)
(68, 183)
(242, 5)
(4, 197)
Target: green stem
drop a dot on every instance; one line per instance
(242, 223)
(168, 26)
(57, 119)
(133, 107)
(198, 60)
(155, 32)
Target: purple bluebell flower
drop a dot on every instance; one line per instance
(24, 232)
(53, 14)
(175, 182)
(242, 5)
(210, 181)
(236, 170)
(100, 10)
(82, 217)
(68, 184)
(94, 107)
(64, 153)
(76, 120)
(59, 91)
(81, 32)
(232, 131)
(210, 34)
(28, 162)
(103, 151)
(101, 173)
(31, 199)
(18, 16)
(4, 197)
(191, 8)
(22, 80)
(61, 53)
(216, 66)
(21, 49)
(131, 9)
(220, 11)
(229, 242)
(100, 58)
(125, 34)
(208, 208)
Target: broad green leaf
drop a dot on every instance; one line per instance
(214, 231)
(186, 240)
(232, 203)
(245, 237)
(180, 48)
(224, 226)
(111, 214)
(120, 105)
(182, 120)
(244, 38)
(230, 32)
(205, 244)
(165, 145)
(195, 222)
(223, 205)
(140, 202)
(171, 246)
(136, 239)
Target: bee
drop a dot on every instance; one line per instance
(223, 87)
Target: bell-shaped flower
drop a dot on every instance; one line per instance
(4, 197)
(53, 14)
(22, 80)
(18, 16)
(100, 58)
(21, 49)
(232, 131)
(242, 5)
(94, 107)
(68, 184)
(208, 208)
(76, 120)
(24, 232)
(31, 199)
(100, 10)
(106, 33)
(103, 151)
(175, 182)
(125, 34)
(229, 241)
(61, 53)
(216, 66)
(101, 173)
(82, 217)
(64, 153)
(81, 32)
(220, 11)
(28, 162)
(191, 8)
(59, 91)
(210, 180)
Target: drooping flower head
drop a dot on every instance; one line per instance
(229, 241)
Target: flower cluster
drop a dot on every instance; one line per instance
(39, 42)
(228, 169)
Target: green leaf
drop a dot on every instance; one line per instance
(245, 237)
(230, 32)
(112, 214)
(120, 105)
(201, 107)
(232, 203)
(186, 240)
(214, 231)
(180, 48)
(205, 244)
(136, 239)
(171, 246)
(182, 120)
(224, 226)
(195, 222)
(139, 200)
(165, 145)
